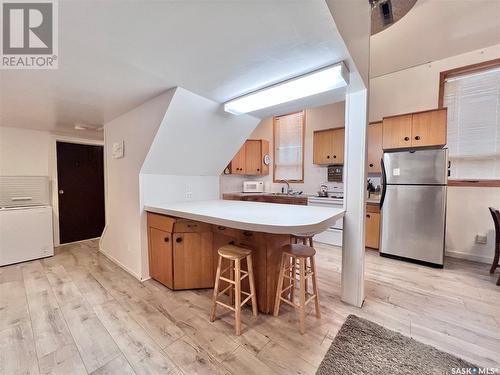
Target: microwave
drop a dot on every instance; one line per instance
(253, 187)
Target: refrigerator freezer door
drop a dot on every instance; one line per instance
(422, 167)
(413, 222)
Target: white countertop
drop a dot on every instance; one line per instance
(255, 216)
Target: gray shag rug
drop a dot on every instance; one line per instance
(363, 347)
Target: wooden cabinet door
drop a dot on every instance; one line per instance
(238, 162)
(338, 146)
(193, 260)
(253, 159)
(323, 147)
(372, 230)
(429, 128)
(160, 256)
(375, 151)
(397, 132)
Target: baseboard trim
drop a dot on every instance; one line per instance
(467, 256)
(121, 265)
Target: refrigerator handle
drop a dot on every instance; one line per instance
(382, 182)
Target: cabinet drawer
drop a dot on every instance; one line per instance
(162, 222)
(190, 226)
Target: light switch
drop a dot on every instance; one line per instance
(118, 150)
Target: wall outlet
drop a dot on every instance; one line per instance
(481, 239)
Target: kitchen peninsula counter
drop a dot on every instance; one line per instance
(184, 238)
(254, 216)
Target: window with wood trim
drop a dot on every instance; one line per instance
(288, 141)
(472, 97)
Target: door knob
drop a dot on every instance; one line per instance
(178, 239)
(371, 165)
(61, 191)
(417, 137)
(407, 139)
(166, 239)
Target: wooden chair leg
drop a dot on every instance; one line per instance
(293, 265)
(302, 309)
(252, 285)
(237, 297)
(315, 288)
(279, 287)
(495, 260)
(216, 291)
(306, 286)
(231, 277)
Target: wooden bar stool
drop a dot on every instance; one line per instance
(294, 261)
(234, 254)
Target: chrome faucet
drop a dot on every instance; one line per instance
(288, 190)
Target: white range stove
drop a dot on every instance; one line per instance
(333, 235)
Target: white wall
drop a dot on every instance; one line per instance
(121, 240)
(176, 145)
(416, 89)
(324, 117)
(27, 152)
(24, 152)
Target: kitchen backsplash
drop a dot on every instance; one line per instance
(234, 183)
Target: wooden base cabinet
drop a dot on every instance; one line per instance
(180, 252)
(372, 226)
(183, 255)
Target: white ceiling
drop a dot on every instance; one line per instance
(114, 55)
(433, 30)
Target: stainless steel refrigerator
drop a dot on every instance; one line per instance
(413, 205)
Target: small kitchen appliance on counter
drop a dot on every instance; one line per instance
(413, 205)
(25, 219)
(253, 187)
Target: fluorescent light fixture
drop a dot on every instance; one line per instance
(322, 80)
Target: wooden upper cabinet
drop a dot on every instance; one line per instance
(239, 161)
(250, 158)
(397, 132)
(375, 151)
(328, 146)
(322, 146)
(420, 129)
(253, 154)
(338, 146)
(429, 128)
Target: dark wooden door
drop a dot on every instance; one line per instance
(80, 177)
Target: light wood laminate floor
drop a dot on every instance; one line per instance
(79, 313)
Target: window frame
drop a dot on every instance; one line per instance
(463, 70)
(303, 112)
